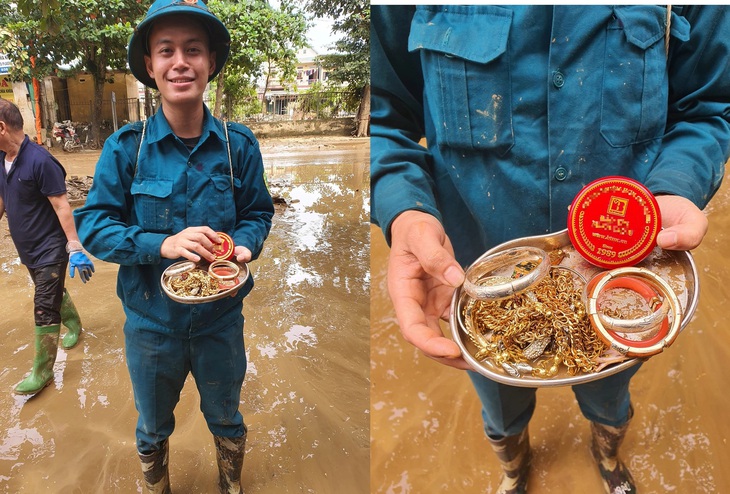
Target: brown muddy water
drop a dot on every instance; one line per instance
(305, 397)
(426, 428)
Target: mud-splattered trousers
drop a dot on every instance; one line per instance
(34, 225)
(146, 189)
(523, 105)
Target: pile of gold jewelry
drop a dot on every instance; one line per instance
(536, 331)
(195, 283)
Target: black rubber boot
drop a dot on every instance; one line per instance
(229, 452)
(514, 455)
(604, 446)
(154, 469)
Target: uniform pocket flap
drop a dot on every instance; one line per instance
(452, 29)
(645, 26)
(221, 182)
(156, 188)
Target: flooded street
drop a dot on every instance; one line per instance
(305, 399)
(426, 428)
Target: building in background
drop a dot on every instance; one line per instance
(309, 95)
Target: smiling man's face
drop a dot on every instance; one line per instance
(179, 59)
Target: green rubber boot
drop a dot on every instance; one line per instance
(46, 346)
(70, 318)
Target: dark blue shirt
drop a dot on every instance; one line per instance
(523, 105)
(134, 204)
(34, 225)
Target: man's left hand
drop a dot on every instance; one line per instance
(242, 254)
(684, 225)
(79, 260)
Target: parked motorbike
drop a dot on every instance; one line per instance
(70, 140)
(65, 133)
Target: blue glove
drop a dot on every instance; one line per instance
(78, 260)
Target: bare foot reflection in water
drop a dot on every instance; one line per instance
(305, 397)
(426, 428)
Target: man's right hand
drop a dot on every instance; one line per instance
(193, 243)
(422, 276)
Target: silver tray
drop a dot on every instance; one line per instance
(242, 277)
(676, 267)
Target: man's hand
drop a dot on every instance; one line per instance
(192, 243)
(243, 254)
(422, 276)
(78, 260)
(684, 224)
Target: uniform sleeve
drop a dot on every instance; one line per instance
(103, 222)
(696, 144)
(401, 177)
(254, 205)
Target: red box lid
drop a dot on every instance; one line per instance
(613, 222)
(224, 250)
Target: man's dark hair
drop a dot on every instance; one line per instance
(10, 114)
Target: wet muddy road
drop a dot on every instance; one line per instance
(305, 397)
(426, 428)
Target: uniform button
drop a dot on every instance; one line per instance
(561, 173)
(558, 79)
(190, 163)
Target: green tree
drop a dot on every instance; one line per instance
(84, 35)
(351, 62)
(264, 42)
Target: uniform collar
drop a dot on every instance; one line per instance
(158, 128)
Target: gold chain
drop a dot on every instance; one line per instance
(544, 327)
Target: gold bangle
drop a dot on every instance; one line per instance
(492, 278)
(224, 270)
(179, 268)
(627, 347)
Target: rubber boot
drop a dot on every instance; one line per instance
(604, 446)
(70, 318)
(514, 455)
(46, 346)
(155, 471)
(229, 452)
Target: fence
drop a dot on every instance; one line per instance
(124, 110)
(279, 107)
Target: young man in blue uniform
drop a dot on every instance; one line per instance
(33, 194)
(521, 106)
(161, 192)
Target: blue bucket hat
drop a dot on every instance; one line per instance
(220, 38)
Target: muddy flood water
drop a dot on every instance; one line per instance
(306, 394)
(426, 428)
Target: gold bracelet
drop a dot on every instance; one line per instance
(495, 277)
(667, 332)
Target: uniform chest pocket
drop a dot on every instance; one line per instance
(153, 204)
(220, 203)
(635, 83)
(466, 71)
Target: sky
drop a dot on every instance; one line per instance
(320, 36)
